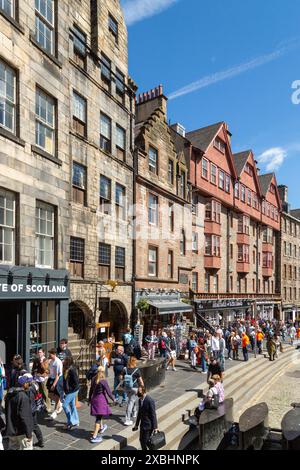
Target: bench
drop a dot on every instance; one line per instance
(253, 427)
(213, 424)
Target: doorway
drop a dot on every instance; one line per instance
(11, 331)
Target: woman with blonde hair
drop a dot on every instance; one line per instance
(98, 399)
(103, 361)
(132, 380)
(219, 387)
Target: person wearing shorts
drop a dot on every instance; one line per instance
(56, 370)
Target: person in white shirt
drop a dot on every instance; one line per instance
(215, 345)
(56, 370)
(292, 333)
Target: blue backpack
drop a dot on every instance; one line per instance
(128, 380)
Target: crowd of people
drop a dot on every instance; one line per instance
(52, 384)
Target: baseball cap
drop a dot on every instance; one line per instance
(26, 378)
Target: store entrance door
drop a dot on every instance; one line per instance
(11, 327)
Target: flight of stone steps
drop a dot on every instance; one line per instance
(243, 382)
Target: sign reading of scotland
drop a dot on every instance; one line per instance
(27, 283)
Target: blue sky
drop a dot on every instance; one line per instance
(241, 58)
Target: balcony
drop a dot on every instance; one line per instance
(243, 239)
(212, 262)
(267, 272)
(242, 267)
(267, 247)
(212, 228)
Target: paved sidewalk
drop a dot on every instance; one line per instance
(176, 383)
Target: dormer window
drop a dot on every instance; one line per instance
(220, 145)
(249, 169)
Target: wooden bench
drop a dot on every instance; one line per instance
(213, 424)
(253, 427)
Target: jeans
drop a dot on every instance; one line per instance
(222, 361)
(60, 388)
(163, 353)
(203, 363)
(216, 354)
(252, 341)
(259, 345)
(131, 405)
(245, 354)
(69, 406)
(116, 392)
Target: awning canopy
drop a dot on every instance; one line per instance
(168, 308)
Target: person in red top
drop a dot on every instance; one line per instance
(245, 342)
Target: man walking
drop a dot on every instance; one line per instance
(56, 370)
(245, 342)
(215, 345)
(146, 419)
(18, 412)
(120, 362)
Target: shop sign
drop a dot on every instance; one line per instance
(222, 304)
(103, 325)
(33, 283)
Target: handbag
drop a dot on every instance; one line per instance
(157, 441)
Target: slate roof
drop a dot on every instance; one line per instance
(240, 160)
(202, 138)
(295, 213)
(265, 181)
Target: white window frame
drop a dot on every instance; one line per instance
(47, 24)
(39, 235)
(8, 101)
(6, 227)
(46, 124)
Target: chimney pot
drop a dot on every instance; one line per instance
(160, 90)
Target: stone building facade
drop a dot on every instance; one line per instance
(163, 230)
(66, 141)
(101, 142)
(34, 173)
(289, 258)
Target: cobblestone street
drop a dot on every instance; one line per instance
(281, 394)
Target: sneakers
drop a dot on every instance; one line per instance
(128, 423)
(54, 415)
(59, 410)
(229, 359)
(96, 440)
(167, 368)
(103, 429)
(174, 369)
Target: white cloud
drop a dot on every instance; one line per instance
(137, 10)
(273, 158)
(237, 70)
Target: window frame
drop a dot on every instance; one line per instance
(47, 24)
(39, 235)
(78, 121)
(150, 165)
(105, 142)
(14, 104)
(105, 203)
(152, 248)
(40, 121)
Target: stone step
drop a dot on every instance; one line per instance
(177, 432)
(168, 422)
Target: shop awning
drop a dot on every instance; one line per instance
(168, 308)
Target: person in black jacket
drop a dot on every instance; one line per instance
(71, 389)
(34, 393)
(146, 419)
(18, 413)
(16, 370)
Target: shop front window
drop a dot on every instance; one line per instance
(43, 323)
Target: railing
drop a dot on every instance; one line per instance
(86, 357)
(204, 323)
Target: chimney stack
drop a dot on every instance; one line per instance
(148, 102)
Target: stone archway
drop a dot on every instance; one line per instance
(118, 318)
(80, 316)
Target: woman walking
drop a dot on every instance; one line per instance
(71, 389)
(172, 354)
(132, 380)
(98, 399)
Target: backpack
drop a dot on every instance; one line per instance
(91, 372)
(128, 382)
(214, 403)
(127, 338)
(39, 402)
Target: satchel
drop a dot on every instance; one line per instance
(157, 441)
